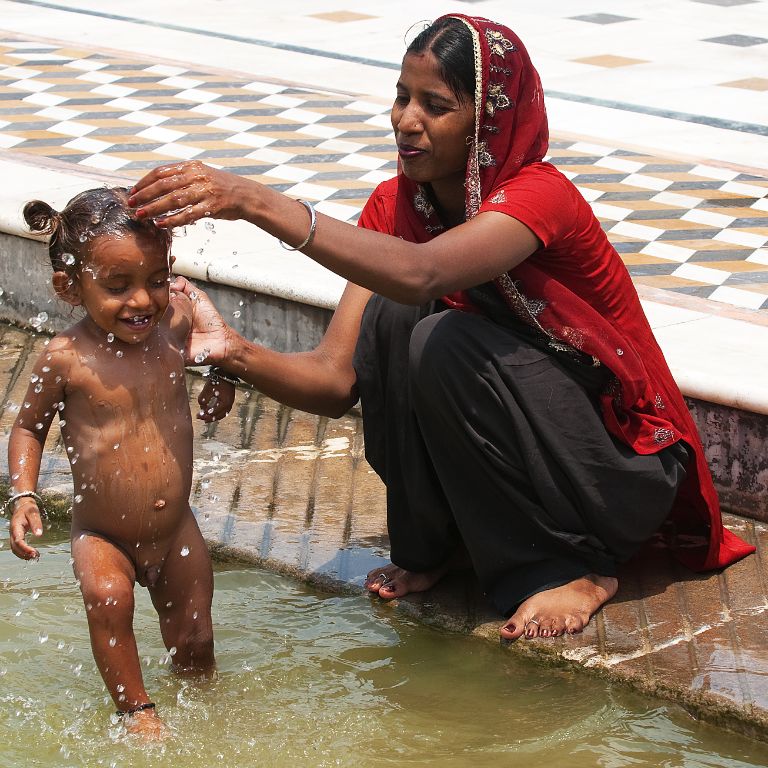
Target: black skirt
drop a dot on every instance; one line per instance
(485, 439)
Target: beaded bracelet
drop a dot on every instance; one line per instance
(135, 710)
(22, 494)
(312, 228)
(216, 375)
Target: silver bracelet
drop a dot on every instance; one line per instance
(312, 228)
(22, 494)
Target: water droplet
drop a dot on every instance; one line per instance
(46, 368)
(120, 687)
(194, 615)
(184, 551)
(38, 388)
(205, 484)
(112, 642)
(200, 357)
(110, 337)
(68, 259)
(78, 498)
(39, 425)
(83, 237)
(34, 377)
(119, 353)
(192, 295)
(115, 446)
(172, 375)
(35, 594)
(209, 224)
(236, 313)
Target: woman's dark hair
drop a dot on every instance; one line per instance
(94, 213)
(450, 42)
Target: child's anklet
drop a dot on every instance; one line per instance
(22, 494)
(135, 710)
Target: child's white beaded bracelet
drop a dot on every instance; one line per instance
(312, 228)
(214, 374)
(20, 495)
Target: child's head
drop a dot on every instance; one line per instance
(104, 259)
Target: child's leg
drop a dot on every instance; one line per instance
(182, 597)
(107, 576)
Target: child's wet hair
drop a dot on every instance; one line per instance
(91, 214)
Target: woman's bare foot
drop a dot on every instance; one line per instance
(554, 612)
(389, 581)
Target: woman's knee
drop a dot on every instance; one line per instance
(441, 349)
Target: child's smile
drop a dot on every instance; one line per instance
(124, 286)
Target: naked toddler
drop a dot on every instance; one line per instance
(116, 379)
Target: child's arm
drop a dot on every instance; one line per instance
(25, 450)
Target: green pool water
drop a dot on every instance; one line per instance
(312, 679)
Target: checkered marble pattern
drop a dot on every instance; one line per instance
(687, 227)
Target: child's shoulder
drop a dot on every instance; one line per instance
(61, 351)
(65, 342)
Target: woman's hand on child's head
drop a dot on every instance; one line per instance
(207, 343)
(25, 518)
(181, 193)
(215, 400)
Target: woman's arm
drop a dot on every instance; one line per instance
(216, 398)
(411, 273)
(321, 381)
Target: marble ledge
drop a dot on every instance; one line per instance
(717, 353)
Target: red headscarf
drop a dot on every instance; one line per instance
(598, 314)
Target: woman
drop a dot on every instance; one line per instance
(514, 400)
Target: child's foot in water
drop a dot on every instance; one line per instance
(145, 724)
(565, 609)
(389, 581)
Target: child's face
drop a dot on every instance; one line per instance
(124, 285)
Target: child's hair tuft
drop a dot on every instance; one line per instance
(100, 212)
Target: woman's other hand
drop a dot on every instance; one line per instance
(208, 341)
(181, 193)
(215, 401)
